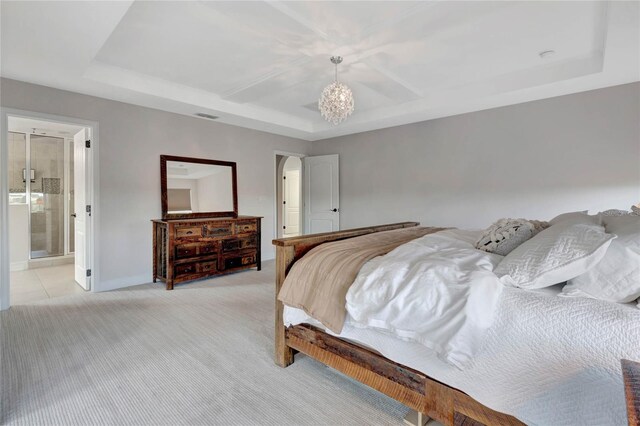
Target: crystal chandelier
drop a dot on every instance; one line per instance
(336, 100)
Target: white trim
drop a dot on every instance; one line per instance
(92, 198)
(65, 204)
(19, 266)
(4, 214)
(275, 187)
(123, 282)
(46, 262)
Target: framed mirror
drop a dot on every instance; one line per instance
(196, 187)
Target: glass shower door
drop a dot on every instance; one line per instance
(47, 196)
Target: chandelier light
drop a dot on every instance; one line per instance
(336, 100)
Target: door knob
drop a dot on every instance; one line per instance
(73, 215)
(334, 210)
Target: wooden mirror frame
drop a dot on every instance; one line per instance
(163, 188)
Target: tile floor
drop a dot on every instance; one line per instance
(43, 283)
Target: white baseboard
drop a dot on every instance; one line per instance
(47, 262)
(135, 280)
(122, 282)
(19, 266)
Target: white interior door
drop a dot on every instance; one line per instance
(321, 194)
(291, 203)
(82, 217)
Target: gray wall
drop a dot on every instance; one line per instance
(131, 141)
(532, 160)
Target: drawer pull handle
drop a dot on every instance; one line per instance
(189, 232)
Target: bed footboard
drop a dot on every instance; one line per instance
(288, 250)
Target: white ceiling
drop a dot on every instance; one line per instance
(263, 65)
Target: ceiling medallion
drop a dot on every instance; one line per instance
(336, 100)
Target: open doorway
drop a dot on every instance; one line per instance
(289, 209)
(49, 186)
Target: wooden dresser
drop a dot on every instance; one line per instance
(190, 249)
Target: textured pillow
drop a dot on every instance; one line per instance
(557, 254)
(614, 212)
(507, 234)
(569, 216)
(616, 278)
(633, 210)
(621, 224)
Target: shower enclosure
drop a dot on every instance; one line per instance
(41, 176)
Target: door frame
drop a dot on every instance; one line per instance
(92, 196)
(276, 182)
(286, 205)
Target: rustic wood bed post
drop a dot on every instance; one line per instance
(285, 256)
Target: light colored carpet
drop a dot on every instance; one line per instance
(201, 354)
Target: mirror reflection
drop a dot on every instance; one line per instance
(197, 187)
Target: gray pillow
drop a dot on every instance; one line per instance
(569, 216)
(507, 234)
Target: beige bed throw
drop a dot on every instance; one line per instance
(318, 283)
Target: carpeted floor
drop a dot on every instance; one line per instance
(201, 354)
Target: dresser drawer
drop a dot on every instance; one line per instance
(188, 231)
(244, 227)
(185, 269)
(237, 261)
(208, 266)
(194, 268)
(195, 249)
(218, 229)
(239, 243)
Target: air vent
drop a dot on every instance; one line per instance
(204, 115)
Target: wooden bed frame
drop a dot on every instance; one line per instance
(631, 376)
(410, 387)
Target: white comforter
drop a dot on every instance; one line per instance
(437, 290)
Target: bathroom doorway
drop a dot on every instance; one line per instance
(46, 220)
(289, 209)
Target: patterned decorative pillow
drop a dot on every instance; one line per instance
(634, 211)
(614, 212)
(507, 234)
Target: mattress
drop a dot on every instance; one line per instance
(546, 360)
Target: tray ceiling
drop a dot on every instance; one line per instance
(263, 65)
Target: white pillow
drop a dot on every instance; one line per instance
(616, 278)
(557, 254)
(570, 215)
